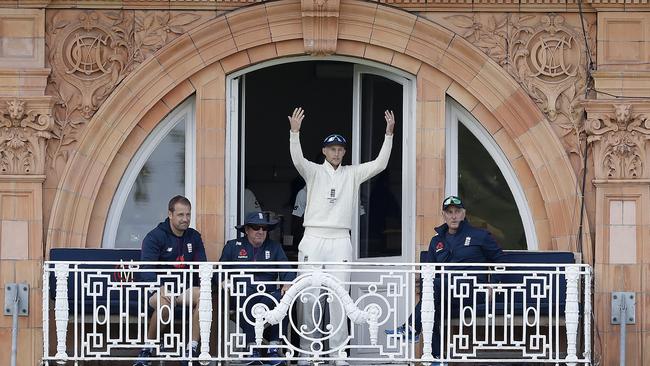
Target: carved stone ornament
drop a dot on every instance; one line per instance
(546, 54)
(91, 52)
(23, 137)
(619, 142)
(320, 25)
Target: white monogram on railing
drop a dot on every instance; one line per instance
(371, 310)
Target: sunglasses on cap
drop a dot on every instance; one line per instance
(258, 227)
(334, 139)
(451, 201)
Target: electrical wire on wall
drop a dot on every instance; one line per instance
(588, 87)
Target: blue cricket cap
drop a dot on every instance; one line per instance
(335, 139)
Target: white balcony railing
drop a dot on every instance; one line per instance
(504, 313)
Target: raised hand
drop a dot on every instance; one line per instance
(295, 120)
(390, 121)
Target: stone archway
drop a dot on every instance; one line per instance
(199, 60)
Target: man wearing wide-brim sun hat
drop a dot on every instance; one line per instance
(256, 246)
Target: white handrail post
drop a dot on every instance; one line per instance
(587, 314)
(572, 313)
(61, 271)
(205, 310)
(428, 311)
(46, 311)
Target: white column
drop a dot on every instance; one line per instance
(46, 311)
(205, 310)
(572, 313)
(428, 310)
(61, 310)
(587, 314)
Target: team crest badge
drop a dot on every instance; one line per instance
(440, 246)
(243, 253)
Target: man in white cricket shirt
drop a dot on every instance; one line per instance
(332, 198)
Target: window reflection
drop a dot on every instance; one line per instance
(380, 209)
(161, 177)
(489, 201)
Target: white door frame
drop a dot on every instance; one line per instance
(408, 157)
(233, 151)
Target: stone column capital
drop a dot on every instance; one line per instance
(26, 124)
(618, 131)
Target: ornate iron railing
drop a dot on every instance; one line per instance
(495, 313)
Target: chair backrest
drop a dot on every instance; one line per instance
(94, 280)
(536, 280)
(532, 278)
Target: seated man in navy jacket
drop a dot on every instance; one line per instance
(172, 241)
(256, 246)
(456, 241)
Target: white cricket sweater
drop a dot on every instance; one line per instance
(333, 195)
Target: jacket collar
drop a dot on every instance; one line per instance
(444, 228)
(330, 169)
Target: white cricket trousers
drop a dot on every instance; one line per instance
(325, 245)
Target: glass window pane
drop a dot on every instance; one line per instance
(161, 177)
(488, 199)
(380, 220)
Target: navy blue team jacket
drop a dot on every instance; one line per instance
(240, 250)
(161, 245)
(468, 245)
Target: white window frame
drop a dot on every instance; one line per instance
(233, 148)
(408, 153)
(456, 113)
(186, 111)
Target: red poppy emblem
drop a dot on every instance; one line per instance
(243, 253)
(180, 258)
(440, 246)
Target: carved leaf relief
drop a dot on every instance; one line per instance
(23, 135)
(91, 52)
(619, 140)
(545, 54)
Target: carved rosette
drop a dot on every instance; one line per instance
(25, 128)
(320, 25)
(546, 54)
(618, 136)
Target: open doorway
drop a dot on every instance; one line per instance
(337, 98)
(324, 91)
(341, 96)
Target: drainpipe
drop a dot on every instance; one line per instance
(14, 330)
(623, 312)
(16, 303)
